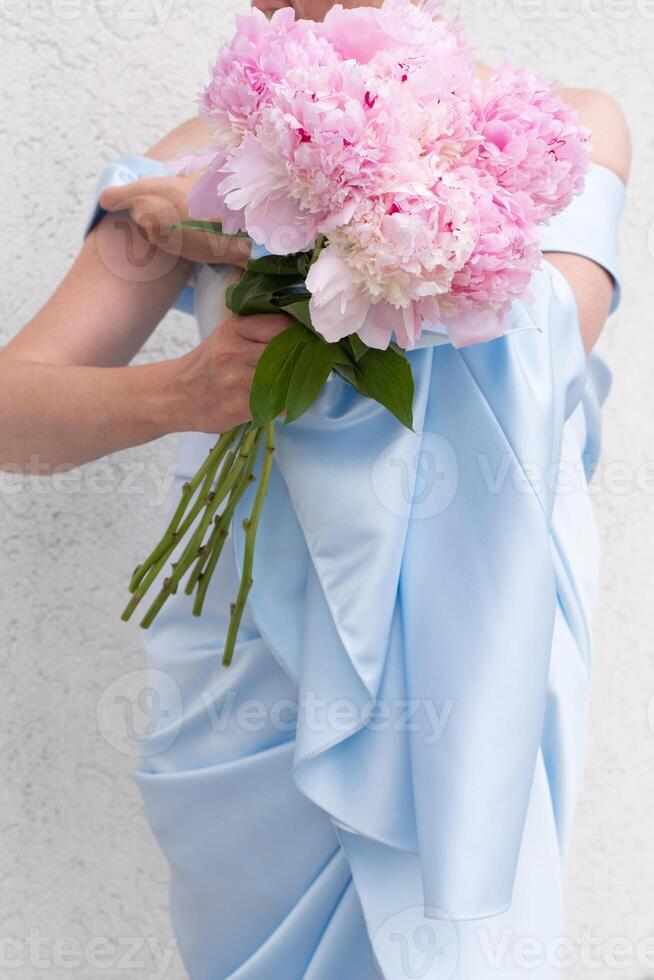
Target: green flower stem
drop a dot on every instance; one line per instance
(228, 477)
(148, 572)
(233, 466)
(153, 573)
(222, 520)
(221, 529)
(250, 525)
(205, 549)
(173, 533)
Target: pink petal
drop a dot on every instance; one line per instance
(280, 225)
(338, 307)
(475, 327)
(379, 326)
(203, 201)
(191, 163)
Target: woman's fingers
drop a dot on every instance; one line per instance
(122, 196)
(158, 205)
(260, 329)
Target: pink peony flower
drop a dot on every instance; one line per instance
(261, 54)
(319, 132)
(333, 138)
(436, 107)
(385, 271)
(373, 130)
(531, 140)
(362, 32)
(499, 268)
(248, 190)
(340, 306)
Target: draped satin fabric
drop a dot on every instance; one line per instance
(383, 783)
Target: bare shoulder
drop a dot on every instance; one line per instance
(604, 117)
(192, 135)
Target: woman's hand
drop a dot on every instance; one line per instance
(57, 416)
(157, 204)
(217, 375)
(66, 396)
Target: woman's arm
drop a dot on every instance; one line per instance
(57, 416)
(65, 395)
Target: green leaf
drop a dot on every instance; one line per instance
(281, 265)
(312, 368)
(343, 355)
(273, 373)
(253, 293)
(358, 346)
(211, 227)
(299, 310)
(321, 242)
(228, 295)
(386, 376)
(348, 373)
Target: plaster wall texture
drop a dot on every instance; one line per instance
(81, 82)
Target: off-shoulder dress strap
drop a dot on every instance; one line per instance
(125, 170)
(589, 225)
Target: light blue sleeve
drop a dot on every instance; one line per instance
(125, 170)
(590, 225)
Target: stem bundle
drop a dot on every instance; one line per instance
(205, 511)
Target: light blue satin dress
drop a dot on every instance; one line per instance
(383, 784)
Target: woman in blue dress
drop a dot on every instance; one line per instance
(382, 786)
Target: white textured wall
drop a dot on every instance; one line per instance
(83, 81)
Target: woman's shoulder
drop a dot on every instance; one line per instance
(193, 135)
(611, 139)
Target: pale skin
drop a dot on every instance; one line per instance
(67, 392)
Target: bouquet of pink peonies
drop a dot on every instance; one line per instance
(391, 189)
